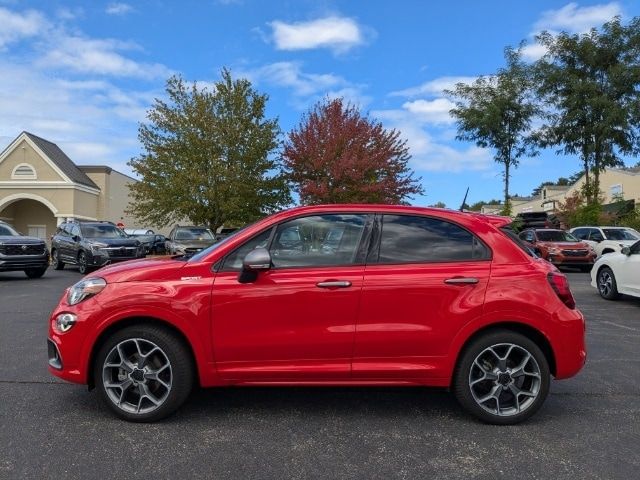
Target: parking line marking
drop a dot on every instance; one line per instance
(621, 326)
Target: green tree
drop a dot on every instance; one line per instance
(496, 112)
(590, 83)
(337, 155)
(208, 157)
(477, 206)
(438, 205)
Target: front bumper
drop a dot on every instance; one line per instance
(12, 263)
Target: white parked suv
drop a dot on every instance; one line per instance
(606, 239)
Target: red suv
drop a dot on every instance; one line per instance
(328, 295)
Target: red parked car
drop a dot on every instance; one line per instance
(560, 248)
(328, 295)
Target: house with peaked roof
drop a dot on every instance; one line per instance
(40, 187)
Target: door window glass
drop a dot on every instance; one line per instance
(414, 239)
(320, 240)
(235, 258)
(581, 233)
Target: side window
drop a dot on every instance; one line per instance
(233, 261)
(596, 235)
(414, 239)
(581, 233)
(316, 241)
(530, 237)
(62, 230)
(75, 230)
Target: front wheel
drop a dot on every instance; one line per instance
(143, 373)
(607, 286)
(55, 260)
(502, 378)
(83, 267)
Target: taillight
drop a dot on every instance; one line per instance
(560, 285)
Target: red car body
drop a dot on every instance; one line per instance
(396, 324)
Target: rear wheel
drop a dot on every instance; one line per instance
(607, 286)
(502, 378)
(35, 272)
(55, 260)
(143, 373)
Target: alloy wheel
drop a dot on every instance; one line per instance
(505, 379)
(137, 376)
(605, 283)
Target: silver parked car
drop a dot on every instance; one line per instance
(188, 240)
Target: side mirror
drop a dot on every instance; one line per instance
(75, 238)
(255, 261)
(626, 251)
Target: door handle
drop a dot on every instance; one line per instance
(461, 281)
(334, 284)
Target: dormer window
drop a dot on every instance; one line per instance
(24, 171)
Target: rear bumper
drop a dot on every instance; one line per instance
(572, 354)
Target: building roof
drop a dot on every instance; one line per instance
(62, 161)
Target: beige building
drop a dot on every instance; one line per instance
(614, 183)
(40, 187)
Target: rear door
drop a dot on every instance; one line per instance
(424, 279)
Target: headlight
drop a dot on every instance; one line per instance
(96, 247)
(85, 289)
(554, 251)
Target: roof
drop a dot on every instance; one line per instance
(62, 161)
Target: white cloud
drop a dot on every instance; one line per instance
(339, 34)
(17, 26)
(575, 19)
(533, 51)
(307, 87)
(431, 111)
(99, 56)
(429, 155)
(118, 9)
(571, 19)
(433, 87)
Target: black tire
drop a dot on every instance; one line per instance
(533, 390)
(586, 268)
(35, 272)
(607, 286)
(55, 260)
(172, 349)
(83, 268)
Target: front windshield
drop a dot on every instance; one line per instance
(194, 233)
(6, 230)
(619, 234)
(555, 236)
(102, 231)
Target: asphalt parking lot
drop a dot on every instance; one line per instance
(589, 427)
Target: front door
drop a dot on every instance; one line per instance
(426, 279)
(627, 271)
(295, 321)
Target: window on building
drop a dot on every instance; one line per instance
(24, 171)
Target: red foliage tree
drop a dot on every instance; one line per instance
(338, 156)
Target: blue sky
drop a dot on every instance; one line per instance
(83, 74)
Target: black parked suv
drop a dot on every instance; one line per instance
(20, 253)
(92, 245)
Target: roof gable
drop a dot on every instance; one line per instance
(61, 160)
